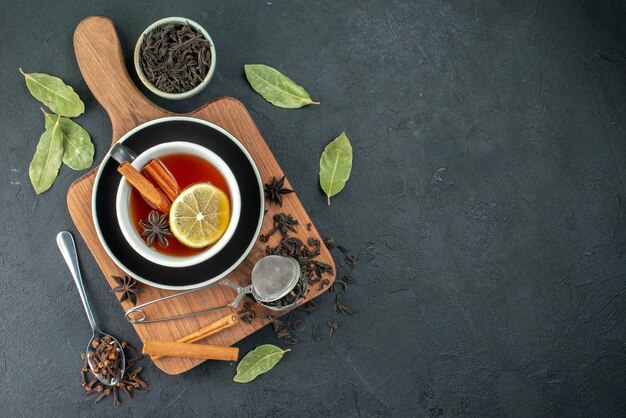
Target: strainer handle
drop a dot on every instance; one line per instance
(139, 315)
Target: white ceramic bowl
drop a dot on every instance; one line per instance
(122, 205)
(152, 87)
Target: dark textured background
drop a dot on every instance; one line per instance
(486, 204)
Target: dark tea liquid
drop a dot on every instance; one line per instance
(187, 169)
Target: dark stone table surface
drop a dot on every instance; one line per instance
(486, 207)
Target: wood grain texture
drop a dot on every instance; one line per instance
(99, 56)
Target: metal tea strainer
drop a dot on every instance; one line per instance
(273, 277)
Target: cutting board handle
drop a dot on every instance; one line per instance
(101, 62)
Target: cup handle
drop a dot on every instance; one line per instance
(121, 153)
(143, 317)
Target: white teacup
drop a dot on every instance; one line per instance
(122, 204)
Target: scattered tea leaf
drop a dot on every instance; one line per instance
(349, 279)
(340, 307)
(330, 243)
(258, 361)
(294, 323)
(290, 340)
(335, 165)
(343, 249)
(332, 324)
(314, 333)
(276, 88)
(78, 148)
(339, 282)
(309, 306)
(54, 93)
(44, 167)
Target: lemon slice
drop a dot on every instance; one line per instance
(199, 215)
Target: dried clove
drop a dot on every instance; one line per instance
(104, 394)
(116, 399)
(106, 360)
(89, 386)
(126, 391)
(130, 363)
(126, 345)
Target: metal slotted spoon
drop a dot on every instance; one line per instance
(273, 277)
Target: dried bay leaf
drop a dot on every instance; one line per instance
(78, 148)
(54, 93)
(258, 361)
(44, 167)
(335, 165)
(276, 88)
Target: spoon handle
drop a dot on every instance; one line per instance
(68, 250)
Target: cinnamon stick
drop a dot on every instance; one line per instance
(190, 350)
(162, 178)
(143, 185)
(213, 328)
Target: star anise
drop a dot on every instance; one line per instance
(156, 229)
(274, 190)
(128, 288)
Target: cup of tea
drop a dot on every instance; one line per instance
(189, 164)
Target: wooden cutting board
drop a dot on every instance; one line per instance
(99, 56)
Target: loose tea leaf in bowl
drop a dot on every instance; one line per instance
(175, 57)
